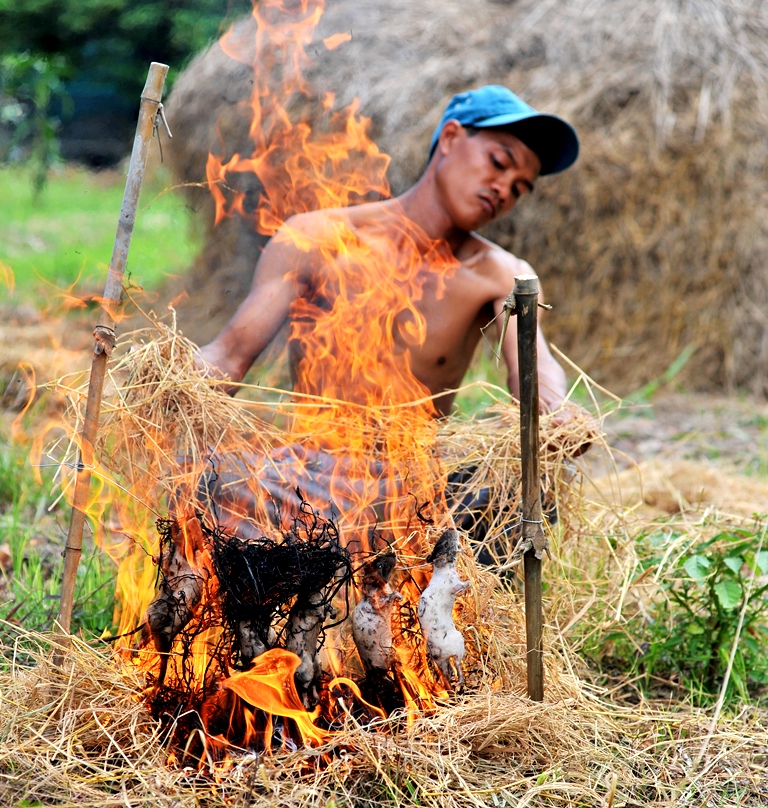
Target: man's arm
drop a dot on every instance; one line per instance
(553, 385)
(279, 278)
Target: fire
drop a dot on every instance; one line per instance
(269, 686)
(362, 435)
(7, 278)
(371, 397)
(333, 42)
(301, 168)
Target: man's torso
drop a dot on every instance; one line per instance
(451, 296)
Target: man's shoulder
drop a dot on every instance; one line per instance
(317, 222)
(314, 221)
(489, 259)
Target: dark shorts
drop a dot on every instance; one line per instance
(471, 513)
(252, 494)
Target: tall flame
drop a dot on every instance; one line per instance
(362, 426)
(361, 397)
(302, 167)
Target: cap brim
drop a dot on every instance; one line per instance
(553, 139)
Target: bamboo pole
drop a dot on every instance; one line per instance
(533, 539)
(104, 341)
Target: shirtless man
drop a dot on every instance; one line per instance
(412, 272)
(488, 151)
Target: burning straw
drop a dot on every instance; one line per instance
(81, 737)
(84, 736)
(158, 437)
(162, 416)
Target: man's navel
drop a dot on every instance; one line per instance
(441, 360)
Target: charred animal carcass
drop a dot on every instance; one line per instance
(184, 572)
(251, 587)
(305, 625)
(372, 617)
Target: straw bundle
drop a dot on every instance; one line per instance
(669, 194)
(163, 404)
(161, 415)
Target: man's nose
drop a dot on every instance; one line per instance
(501, 192)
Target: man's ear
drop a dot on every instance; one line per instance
(451, 130)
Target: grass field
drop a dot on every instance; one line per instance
(58, 243)
(67, 235)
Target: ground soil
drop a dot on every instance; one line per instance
(683, 452)
(731, 431)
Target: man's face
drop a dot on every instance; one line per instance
(482, 175)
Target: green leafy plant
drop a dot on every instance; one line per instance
(30, 84)
(113, 41)
(684, 636)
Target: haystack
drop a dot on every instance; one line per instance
(654, 245)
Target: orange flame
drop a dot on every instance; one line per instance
(357, 351)
(332, 42)
(332, 163)
(7, 278)
(269, 686)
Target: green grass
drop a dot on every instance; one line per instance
(65, 238)
(483, 369)
(68, 234)
(710, 594)
(34, 538)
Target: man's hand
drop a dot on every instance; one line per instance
(571, 427)
(213, 366)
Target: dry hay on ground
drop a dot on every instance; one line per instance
(655, 243)
(658, 488)
(80, 736)
(34, 350)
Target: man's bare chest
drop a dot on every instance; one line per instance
(454, 316)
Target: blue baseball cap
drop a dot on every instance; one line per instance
(553, 140)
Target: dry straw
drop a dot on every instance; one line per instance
(81, 736)
(160, 412)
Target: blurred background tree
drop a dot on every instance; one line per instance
(73, 71)
(29, 86)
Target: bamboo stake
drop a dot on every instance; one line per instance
(104, 341)
(534, 541)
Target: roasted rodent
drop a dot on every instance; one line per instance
(445, 645)
(372, 617)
